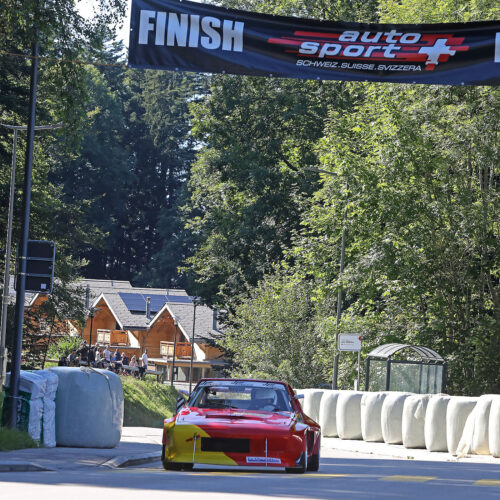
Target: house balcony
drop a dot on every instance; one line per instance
(182, 349)
(113, 337)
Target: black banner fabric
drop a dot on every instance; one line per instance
(189, 36)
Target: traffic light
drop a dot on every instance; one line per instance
(40, 266)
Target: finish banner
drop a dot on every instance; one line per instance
(189, 36)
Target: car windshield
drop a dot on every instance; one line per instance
(243, 395)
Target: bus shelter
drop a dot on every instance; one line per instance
(407, 368)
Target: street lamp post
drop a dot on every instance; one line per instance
(8, 247)
(192, 347)
(173, 355)
(335, 374)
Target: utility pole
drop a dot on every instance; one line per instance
(23, 246)
(8, 247)
(173, 355)
(192, 346)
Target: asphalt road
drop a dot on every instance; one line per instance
(346, 476)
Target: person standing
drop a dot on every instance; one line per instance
(144, 367)
(107, 355)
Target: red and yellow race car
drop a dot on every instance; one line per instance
(241, 422)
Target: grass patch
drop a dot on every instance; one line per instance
(13, 439)
(147, 402)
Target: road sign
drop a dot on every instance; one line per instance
(40, 266)
(349, 342)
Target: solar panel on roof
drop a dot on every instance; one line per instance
(133, 301)
(157, 302)
(179, 299)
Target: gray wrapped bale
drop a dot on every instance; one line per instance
(371, 416)
(414, 410)
(328, 413)
(435, 423)
(89, 408)
(459, 409)
(349, 415)
(392, 417)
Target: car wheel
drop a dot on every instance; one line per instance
(301, 465)
(313, 464)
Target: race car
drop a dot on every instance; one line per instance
(241, 422)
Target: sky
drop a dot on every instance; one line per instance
(86, 9)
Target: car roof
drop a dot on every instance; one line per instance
(245, 380)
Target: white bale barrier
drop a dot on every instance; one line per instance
(475, 438)
(392, 417)
(414, 411)
(30, 409)
(328, 413)
(371, 414)
(435, 423)
(311, 404)
(348, 415)
(49, 407)
(494, 427)
(459, 408)
(89, 408)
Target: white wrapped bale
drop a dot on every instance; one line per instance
(435, 423)
(89, 408)
(371, 416)
(392, 417)
(494, 427)
(349, 415)
(328, 413)
(459, 408)
(311, 404)
(49, 407)
(414, 410)
(480, 438)
(30, 410)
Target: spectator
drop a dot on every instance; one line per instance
(107, 355)
(125, 359)
(133, 364)
(144, 367)
(84, 353)
(98, 358)
(91, 356)
(72, 358)
(62, 361)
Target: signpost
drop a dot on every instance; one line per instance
(351, 342)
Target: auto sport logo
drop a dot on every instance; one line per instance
(376, 51)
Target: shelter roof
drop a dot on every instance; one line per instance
(386, 351)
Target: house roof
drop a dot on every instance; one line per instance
(110, 293)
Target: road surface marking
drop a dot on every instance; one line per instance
(408, 479)
(487, 482)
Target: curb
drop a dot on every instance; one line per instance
(22, 467)
(121, 462)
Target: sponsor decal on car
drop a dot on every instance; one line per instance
(263, 460)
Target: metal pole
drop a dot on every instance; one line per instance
(23, 246)
(339, 308)
(173, 356)
(90, 335)
(359, 371)
(6, 278)
(192, 349)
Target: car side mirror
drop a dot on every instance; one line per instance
(299, 396)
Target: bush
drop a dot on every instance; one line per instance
(63, 347)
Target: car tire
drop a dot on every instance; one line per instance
(313, 464)
(301, 466)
